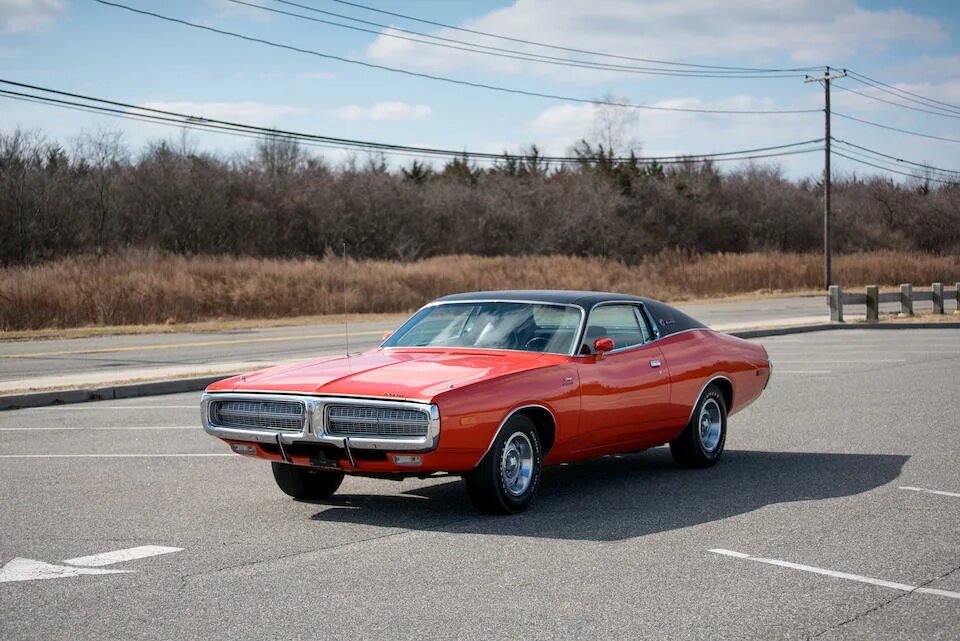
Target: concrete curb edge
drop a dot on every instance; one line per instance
(824, 327)
(110, 392)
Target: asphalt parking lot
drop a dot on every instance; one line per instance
(806, 529)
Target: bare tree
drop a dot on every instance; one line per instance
(101, 154)
(279, 155)
(614, 128)
(281, 201)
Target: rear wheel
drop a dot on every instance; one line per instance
(306, 482)
(701, 442)
(507, 478)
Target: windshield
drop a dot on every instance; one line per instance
(530, 327)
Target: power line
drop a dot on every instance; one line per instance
(896, 158)
(897, 129)
(909, 95)
(923, 103)
(116, 113)
(388, 150)
(247, 131)
(896, 171)
(455, 81)
(898, 104)
(163, 116)
(501, 52)
(556, 47)
(193, 123)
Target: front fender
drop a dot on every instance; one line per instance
(472, 416)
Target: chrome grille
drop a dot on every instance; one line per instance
(370, 420)
(283, 416)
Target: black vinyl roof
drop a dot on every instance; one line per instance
(668, 319)
(561, 296)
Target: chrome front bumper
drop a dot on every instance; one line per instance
(313, 429)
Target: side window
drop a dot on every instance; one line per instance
(619, 322)
(644, 324)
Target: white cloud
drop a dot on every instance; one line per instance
(659, 133)
(564, 116)
(26, 15)
(929, 67)
(805, 31)
(395, 111)
(247, 112)
(577, 120)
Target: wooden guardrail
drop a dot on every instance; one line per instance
(836, 299)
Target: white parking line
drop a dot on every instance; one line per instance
(204, 455)
(893, 585)
(61, 428)
(836, 360)
(128, 554)
(923, 489)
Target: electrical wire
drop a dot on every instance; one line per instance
(897, 129)
(896, 158)
(193, 123)
(189, 124)
(456, 81)
(902, 93)
(897, 171)
(556, 47)
(388, 31)
(465, 155)
(897, 104)
(160, 116)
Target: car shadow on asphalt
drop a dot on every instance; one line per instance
(620, 497)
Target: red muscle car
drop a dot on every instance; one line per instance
(492, 386)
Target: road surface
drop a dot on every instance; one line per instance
(787, 538)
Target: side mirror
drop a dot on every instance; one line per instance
(386, 335)
(602, 346)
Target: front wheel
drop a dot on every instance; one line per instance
(507, 478)
(701, 442)
(306, 483)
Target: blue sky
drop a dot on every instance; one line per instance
(85, 47)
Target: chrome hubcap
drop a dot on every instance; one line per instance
(516, 464)
(710, 425)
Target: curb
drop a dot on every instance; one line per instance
(783, 331)
(82, 395)
(824, 327)
(175, 386)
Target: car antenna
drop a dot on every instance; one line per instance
(346, 322)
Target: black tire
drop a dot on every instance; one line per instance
(694, 449)
(306, 483)
(487, 484)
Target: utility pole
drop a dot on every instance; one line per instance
(825, 80)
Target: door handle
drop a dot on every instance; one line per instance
(655, 362)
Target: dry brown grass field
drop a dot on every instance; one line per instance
(146, 287)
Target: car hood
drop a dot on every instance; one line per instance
(402, 374)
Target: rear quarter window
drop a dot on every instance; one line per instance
(670, 320)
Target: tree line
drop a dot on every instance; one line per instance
(280, 200)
